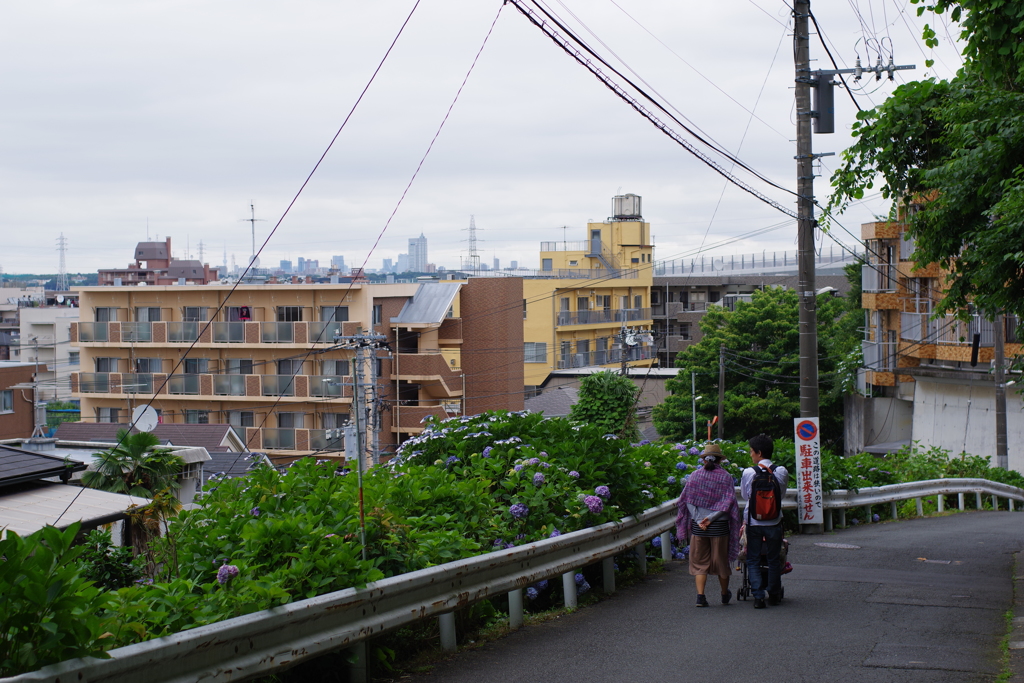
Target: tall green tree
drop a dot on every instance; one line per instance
(137, 466)
(762, 368)
(608, 400)
(956, 148)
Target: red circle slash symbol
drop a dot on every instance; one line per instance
(806, 430)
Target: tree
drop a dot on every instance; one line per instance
(136, 467)
(608, 400)
(762, 367)
(956, 149)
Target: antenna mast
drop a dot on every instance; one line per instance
(62, 270)
(252, 221)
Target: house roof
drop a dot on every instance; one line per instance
(430, 304)
(213, 437)
(30, 507)
(232, 464)
(18, 465)
(553, 402)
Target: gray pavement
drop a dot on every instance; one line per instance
(918, 600)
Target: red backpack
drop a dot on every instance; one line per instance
(765, 494)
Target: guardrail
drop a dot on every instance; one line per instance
(258, 644)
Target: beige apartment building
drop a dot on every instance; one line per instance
(276, 360)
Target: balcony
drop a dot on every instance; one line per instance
(318, 440)
(225, 333)
(878, 277)
(283, 439)
(278, 385)
(183, 332)
(411, 418)
(92, 332)
(229, 385)
(329, 386)
(324, 332)
(917, 327)
(599, 316)
(604, 357)
(879, 355)
(277, 333)
(953, 330)
(136, 332)
(431, 371)
(94, 382)
(183, 385)
(137, 383)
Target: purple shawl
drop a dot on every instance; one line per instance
(714, 490)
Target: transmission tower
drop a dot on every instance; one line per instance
(201, 252)
(62, 270)
(474, 255)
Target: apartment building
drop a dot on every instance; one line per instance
(272, 359)
(587, 294)
(683, 289)
(918, 383)
(155, 265)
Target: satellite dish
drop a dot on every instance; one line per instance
(144, 418)
(60, 298)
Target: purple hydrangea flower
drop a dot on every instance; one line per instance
(330, 535)
(656, 541)
(854, 521)
(682, 466)
(255, 512)
(594, 504)
(531, 593)
(574, 474)
(487, 452)
(671, 480)
(226, 573)
(517, 468)
(498, 543)
(520, 537)
(545, 465)
(645, 442)
(533, 461)
(555, 532)
(509, 545)
(694, 450)
(451, 460)
(542, 584)
(580, 579)
(519, 511)
(875, 518)
(538, 479)
(543, 454)
(603, 491)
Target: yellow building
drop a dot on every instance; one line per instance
(589, 304)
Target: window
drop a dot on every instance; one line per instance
(148, 365)
(546, 264)
(239, 313)
(197, 417)
(289, 314)
(655, 296)
(334, 420)
(289, 420)
(147, 314)
(195, 314)
(524, 309)
(241, 418)
(638, 301)
(106, 365)
(239, 366)
(535, 352)
(334, 314)
(378, 314)
(574, 263)
(289, 367)
(74, 357)
(106, 315)
(379, 366)
(334, 367)
(7, 401)
(582, 303)
(635, 260)
(583, 346)
(623, 302)
(196, 366)
(604, 302)
(563, 303)
(109, 415)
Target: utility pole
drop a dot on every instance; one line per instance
(1002, 456)
(693, 397)
(721, 391)
(251, 220)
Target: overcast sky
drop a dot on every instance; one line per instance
(175, 114)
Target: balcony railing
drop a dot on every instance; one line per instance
(603, 316)
(879, 355)
(566, 246)
(94, 382)
(326, 385)
(183, 384)
(952, 330)
(878, 277)
(604, 357)
(136, 332)
(137, 383)
(279, 438)
(318, 440)
(92, 332)
(917, 327)
(277, 333)
(233, 332)
(324, 332)
(183, 331)
(229, 385)
(278, 385)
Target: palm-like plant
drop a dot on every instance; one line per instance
(135, 466)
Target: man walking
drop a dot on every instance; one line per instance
(763, 486)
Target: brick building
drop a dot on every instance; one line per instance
(16, 414)
(156, 265)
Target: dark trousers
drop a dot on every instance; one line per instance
(769, 539)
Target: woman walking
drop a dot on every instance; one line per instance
(709, 516)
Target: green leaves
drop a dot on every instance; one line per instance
(607, 400)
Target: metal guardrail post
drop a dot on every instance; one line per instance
(940, 503)
(960, 501)
(920, 507)
(977, 500)
(569, 588)
(608, 575)
(995, 502)
(1009, 501)
(842, 518)
(515, 608)
(828, 519)
(446, 622)
(867, 514)
(894, 509)
(666, 546)
(357, 671)
(641, 558)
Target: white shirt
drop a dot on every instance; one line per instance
(781, 473)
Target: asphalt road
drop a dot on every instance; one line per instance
(875, 613)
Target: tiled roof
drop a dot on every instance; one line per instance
(554, 402)
(232, 464)
(213, 437)
(18, 465)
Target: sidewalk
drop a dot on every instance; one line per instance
(914, 602)
(1017, 635)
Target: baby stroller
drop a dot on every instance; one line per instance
(745, 591)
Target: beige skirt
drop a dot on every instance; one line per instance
(709, 555)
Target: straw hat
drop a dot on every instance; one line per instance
(713, 449)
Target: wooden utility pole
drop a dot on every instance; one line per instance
(721, 391)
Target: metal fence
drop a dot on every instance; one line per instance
(267, 642)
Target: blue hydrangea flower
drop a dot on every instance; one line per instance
(517, 468)
(594, 504)
(656, 541)
(533, 461)
(487, 452)
(574, 474)
(255, 512)
(555, 532)
(671, 480)
(694, 450)
(645, 442)
(854, 521)
(531, 593)
(498, 543)
(226, 573)
(580, 579)
(603, 491)
(545, 465)
(538, 479)
(542, 584)
(451, 460)
(519, 510)
(682, 466)
(875, 518)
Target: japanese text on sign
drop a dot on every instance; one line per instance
(808, 470)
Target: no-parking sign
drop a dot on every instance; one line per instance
(808, 470)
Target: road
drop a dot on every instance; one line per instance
(916, 601)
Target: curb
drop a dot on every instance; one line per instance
(1016, 634)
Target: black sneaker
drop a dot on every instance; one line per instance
(774, 599)
(759, 603)
(726, 597)
(701, 601)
